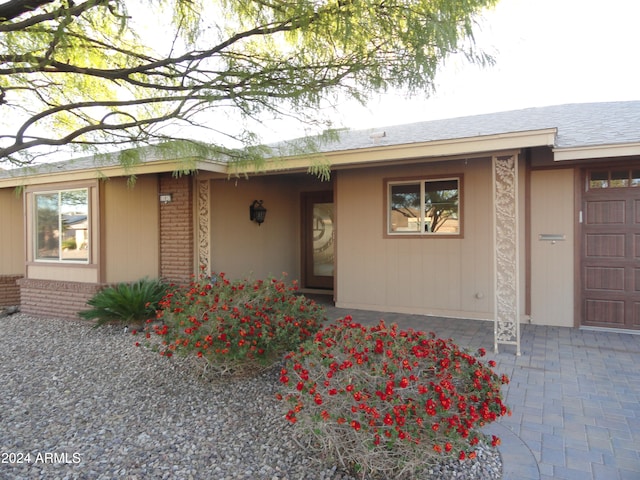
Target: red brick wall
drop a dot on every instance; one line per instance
(176, 230)
(9, 290)
(48, 298)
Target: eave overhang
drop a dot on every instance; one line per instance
(52, 174)
(357, 157)
(596, 151)
(438, 149)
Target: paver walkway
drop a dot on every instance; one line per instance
(574, 394)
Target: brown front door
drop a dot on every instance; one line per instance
(318, 239)
(610, 260)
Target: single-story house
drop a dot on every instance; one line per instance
(522, 216)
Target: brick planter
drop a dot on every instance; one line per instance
(59, 299)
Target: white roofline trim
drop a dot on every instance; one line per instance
(438, 149)
(108, 171)
(596, 151)
(407, 151)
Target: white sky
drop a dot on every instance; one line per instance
(547, 52)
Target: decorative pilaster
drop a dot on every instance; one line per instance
(506, 271)
(204, 226)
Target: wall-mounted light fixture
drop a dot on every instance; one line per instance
(166, 198)
(257, 212)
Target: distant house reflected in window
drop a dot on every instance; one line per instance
(424, 207)
(62, 225)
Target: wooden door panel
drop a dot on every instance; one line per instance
(605, 245)
(636, 209)
(610, 280)
(636, 314)
(605, 312)
(605, 278)
(606, 212)
(636, 245)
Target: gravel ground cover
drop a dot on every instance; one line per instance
(84, 403)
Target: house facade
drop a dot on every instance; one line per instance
(522, 216)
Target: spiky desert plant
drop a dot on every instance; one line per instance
(125, 303)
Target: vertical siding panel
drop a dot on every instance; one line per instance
(419, 275)
(552, 265)
(393, 271)
(131, 229)
(11, 233)
(362, 268)
(476, 252)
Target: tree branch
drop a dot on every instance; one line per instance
(72, 69)
(74, 11)
(15, 8)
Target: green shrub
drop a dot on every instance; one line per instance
(69, 244)
(126, 303)
(235, 328)
(387, 403)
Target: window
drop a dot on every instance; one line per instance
(424, 207)
(62, 225)
(615, 178)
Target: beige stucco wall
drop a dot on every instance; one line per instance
(11, 233)
(241, 248)
(59, 272)
(552, 264)
(434, 276)
(130, 229)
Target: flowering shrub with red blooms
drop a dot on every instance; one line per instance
(234, 327)
(387, 402)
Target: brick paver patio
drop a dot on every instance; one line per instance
(574, 394)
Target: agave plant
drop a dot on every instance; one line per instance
(125, 303)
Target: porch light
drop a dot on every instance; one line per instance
(257, 212)
(166, 198)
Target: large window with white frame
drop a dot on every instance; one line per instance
(61, 226)
(424, 207)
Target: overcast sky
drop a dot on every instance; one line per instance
(547, 52)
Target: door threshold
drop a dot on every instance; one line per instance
(316, 291)
(611, 330)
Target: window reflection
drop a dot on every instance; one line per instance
(424, 207)
(62, 228)
(618, 178)
(323, 239)
(405, 208)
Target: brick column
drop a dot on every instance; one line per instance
(176, 229)
(9, 290)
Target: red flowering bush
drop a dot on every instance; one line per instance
(234, 327)
(385, 402)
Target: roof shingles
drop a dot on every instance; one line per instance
(578, 125)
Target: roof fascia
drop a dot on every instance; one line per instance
(434, 149)
(62, 175)
(452, 148)
(596, 151)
